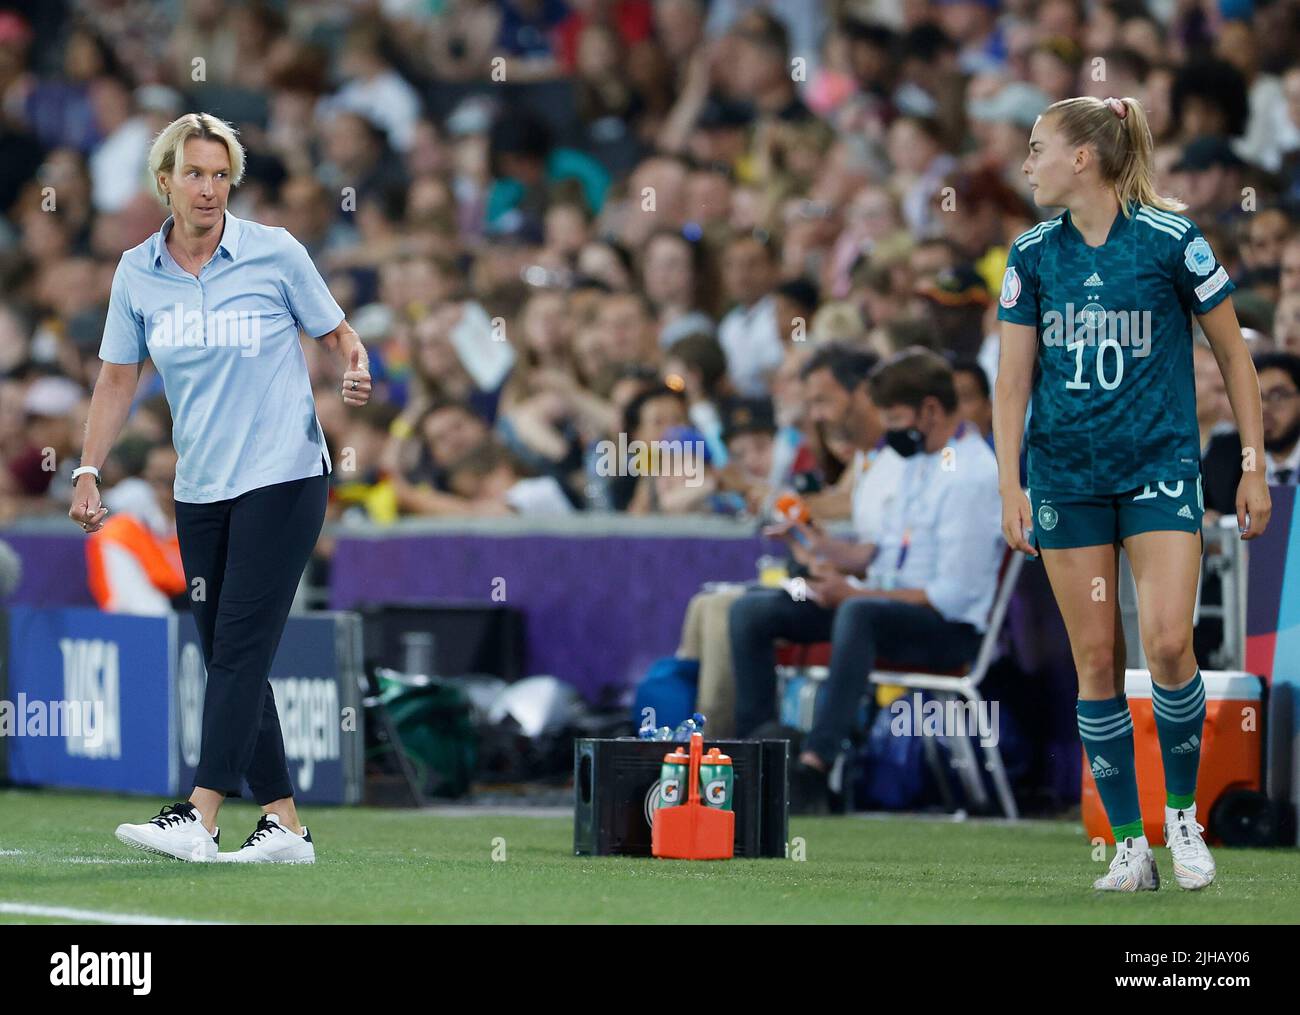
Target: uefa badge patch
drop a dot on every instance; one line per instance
(1047, 517)
(1198, 257)
(1010, 287)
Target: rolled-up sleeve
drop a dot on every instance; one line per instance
(307, 295)
(968, 551)
(124, 334)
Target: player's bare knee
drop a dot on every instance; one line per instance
(1096, 668)
(1167, 648)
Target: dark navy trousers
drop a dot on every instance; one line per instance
(243, 560)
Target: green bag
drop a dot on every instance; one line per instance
(432, 718)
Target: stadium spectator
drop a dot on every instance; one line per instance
(1213, 414)
(646, 421)
(760, 67)
(495, 482)
(1209, 174)
(749, 332)
(1279, 385)
(374, 90)
(697, 366)
(670, 275)
(420, 455)
(117, 163)
(40, 466)
(974, 396)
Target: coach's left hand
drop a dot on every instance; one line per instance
(356, 379)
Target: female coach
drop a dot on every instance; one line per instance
(1101, 300)
(217, 303)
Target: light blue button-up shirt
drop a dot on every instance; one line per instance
(226, 346)
(942, 531)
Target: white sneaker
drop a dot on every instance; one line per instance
(1193, 865)
(177, 832)
(1132, 870)
(272, 842)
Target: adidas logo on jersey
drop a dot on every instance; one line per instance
(1187, 746)
(1101, 768)
(1184, 512)
(1094, 279)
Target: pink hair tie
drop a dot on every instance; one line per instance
(1117, 106)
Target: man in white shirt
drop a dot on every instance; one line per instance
(837, 396)
(930, 575)
(119, 161)
(748, 333)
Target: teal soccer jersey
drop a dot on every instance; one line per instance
(1114, 398)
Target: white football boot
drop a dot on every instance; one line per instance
(272, 842)
(1132, 870)
(177, 832)
(1193, 865)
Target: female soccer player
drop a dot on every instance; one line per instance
(1100, 299)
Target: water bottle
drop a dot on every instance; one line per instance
(685, 728)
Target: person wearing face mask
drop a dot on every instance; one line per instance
(836, 396)
(923, 583)
(933, 570)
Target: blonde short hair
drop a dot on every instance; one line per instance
(169, 147)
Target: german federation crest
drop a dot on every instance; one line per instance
(1092, 315)
(1047, 517)
(1198, 257)
(1010, 287)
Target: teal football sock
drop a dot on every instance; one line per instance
(1180, 723)
(1106, 728)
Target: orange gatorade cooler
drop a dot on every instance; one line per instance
(1231, 752)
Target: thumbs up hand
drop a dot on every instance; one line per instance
(356, 379)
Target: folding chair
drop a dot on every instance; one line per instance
(813, 660)
(965, 685)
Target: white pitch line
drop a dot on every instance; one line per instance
(94, 915)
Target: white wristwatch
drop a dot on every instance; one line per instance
(82, 470)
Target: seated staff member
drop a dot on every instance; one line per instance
(933, 571)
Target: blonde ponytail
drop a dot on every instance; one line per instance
(1118, 131)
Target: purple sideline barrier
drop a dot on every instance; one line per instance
(54, 569)
(598, 609)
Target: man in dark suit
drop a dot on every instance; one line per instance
(1279, 385)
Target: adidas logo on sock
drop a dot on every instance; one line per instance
(1094, 279)
(1101, 768)
(1187, 746)
(1184, 512)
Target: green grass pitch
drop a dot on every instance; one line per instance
(391, 866)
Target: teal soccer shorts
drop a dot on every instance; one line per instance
(1066, 520)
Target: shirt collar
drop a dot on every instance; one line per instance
(230, 234)
(1292, 461)
(1117, 227)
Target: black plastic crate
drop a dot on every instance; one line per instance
(614, 782)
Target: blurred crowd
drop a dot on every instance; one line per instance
(563, 228)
